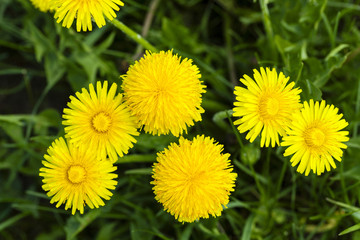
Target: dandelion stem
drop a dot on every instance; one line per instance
(35, 110)
(237, 134)
(268, 27)
(266, 169)
(357, 110)
(133, 35)
(257, 182)
(281, 176)
(146, 26)
(342, 181)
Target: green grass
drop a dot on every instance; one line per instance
(315, 42)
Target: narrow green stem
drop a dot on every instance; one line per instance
(357, 110)
(281, 177)
(268, 28)
(237, 134)
(267, 163)
(343, 185)
(293, 190)
(35, 110)
(229, 53)
(257, 182)
(133, 35)
(266, 170)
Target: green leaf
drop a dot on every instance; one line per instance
(77, 223)
(90, 62)
(13, 161)
(43, 140)
(335, 51)
(310, 91)
(14, 119)
(186, 234)
(54, 69)
(14, 131)
(172, 29)
(106, 232)
(211, 105)
(77, 77)
(41, 43)
(141, 171)
(250, 154)
(354, 143)
(219, 118)
(137, 158)
(105, 44)
(12, 220)
(282, 45)
(158, 143)
(234, 203)
(319, 71)
(294, 66)
(46, 119)
(249, 172)
(94, 36)
(344, 205)
(246, 235)
(350, 229)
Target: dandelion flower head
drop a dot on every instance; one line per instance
(193, 179)
(315, 137)
(75, 177)
(101, 121)
(164, 93)
(42, 5)
(265, 105)
(85, 11)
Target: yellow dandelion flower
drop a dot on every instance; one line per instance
(100, 121)
(193, 179)
(265, 106)
(164, 93)
(75, 177)
(42, 5)
(315, 138)
(85, 11)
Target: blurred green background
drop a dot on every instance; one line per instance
(315, 42)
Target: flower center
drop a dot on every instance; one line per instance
(101, 122)
(269, 107)
(272, 106)
(195, 178)
(76, 174)
(315, 137)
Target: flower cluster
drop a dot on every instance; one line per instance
(162, 94)
(192, 179)
(99, 128)
(270, 106)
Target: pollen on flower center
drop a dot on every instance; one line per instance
(269, 107)
(76, 174)
(314, 137)
(101, 122)
(195, 177)
(272, 106)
